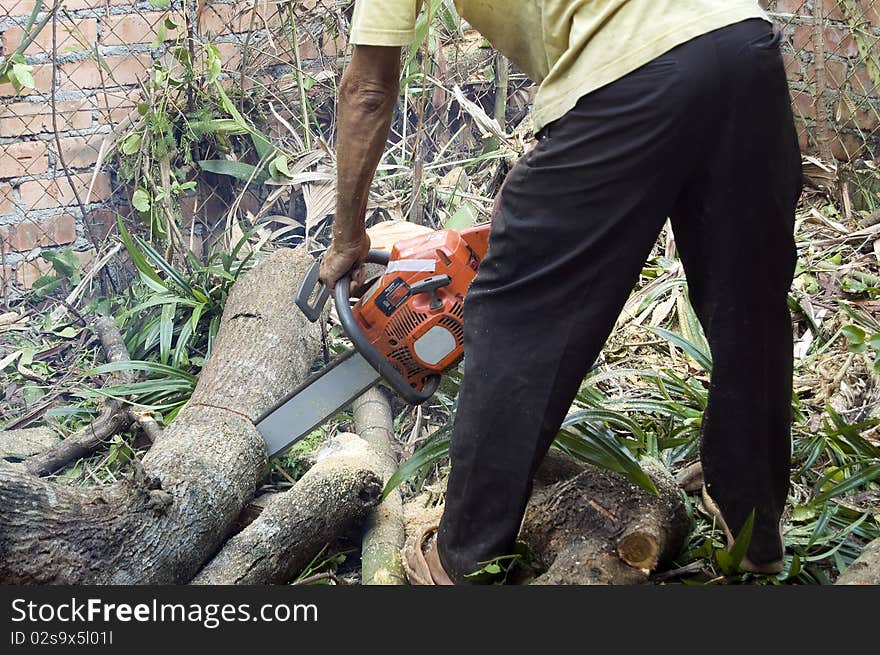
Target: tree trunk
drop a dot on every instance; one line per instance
(160, 525)
(865, 570)
(384, 536)
(20, 444)
(336, 493)
(585, 525)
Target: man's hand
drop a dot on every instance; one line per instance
(343, 257)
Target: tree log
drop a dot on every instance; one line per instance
(335, 494)
(865, 570)
(23, 443)
(384, 536)
(593, 526)
(164, 522)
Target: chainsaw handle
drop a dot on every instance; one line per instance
(372, 355)
(309, 287)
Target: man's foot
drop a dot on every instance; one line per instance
(421, 560)
(763, 568)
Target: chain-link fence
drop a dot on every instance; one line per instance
(833, 60)
(203, 119)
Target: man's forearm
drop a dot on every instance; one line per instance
(367, 96)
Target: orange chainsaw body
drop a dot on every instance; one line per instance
(421, 332)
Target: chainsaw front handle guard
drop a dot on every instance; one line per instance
(383, 367)
(309, 287)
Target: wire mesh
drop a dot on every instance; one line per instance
(84, 76)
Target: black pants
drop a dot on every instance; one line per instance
(702, 135)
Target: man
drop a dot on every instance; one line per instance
(647, 109)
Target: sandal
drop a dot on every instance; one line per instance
(768, 568)
(421, 560)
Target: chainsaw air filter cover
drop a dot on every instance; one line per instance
(414, 313)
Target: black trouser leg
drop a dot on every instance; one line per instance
(733, 227)
(576, 220)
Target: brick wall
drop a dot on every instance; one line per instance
(47, 159)
(848, 107)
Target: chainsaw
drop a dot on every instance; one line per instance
(406, 328)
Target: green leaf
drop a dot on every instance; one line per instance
(464, 217)
(702, 358)
(262, 145)
(140, 200)
(45, 285)
(606, 416)
(64, 262)
(166, 331)
(159, 262)
(137, 257)
(217, 126)
(213, 62)
(725, 562)
(160, 4)
(68, 332)
(597, 445)
(160, 35)
(422, 458)
(23, 74)
(131, 144)
(237, 169)
(743, 539)
(139, 365)
(278, 167)
(861, 478)
(854, 334)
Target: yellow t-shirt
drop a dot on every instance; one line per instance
(569, 47)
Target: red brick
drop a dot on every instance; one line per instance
(72, 35)
(793, 67)
(230, 56)
(835, 73)
(832, 10)
(56, 230)
(81, 151)
(136, 28)
(21, 118)
(845, 146)
(100, 223)
(42, 74)
(88, 74)
(26, 273)
(17, 7)
(25, 7)
(23, 158)
(837, 41)
(865, 118)
(790, 6)
(115, 106)
(804, 105)
(802, 39)
(41, 194)
(239, 17)
(861, 81)
(7, 205)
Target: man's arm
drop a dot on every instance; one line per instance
(367, 95)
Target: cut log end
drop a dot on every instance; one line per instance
(639, 549)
